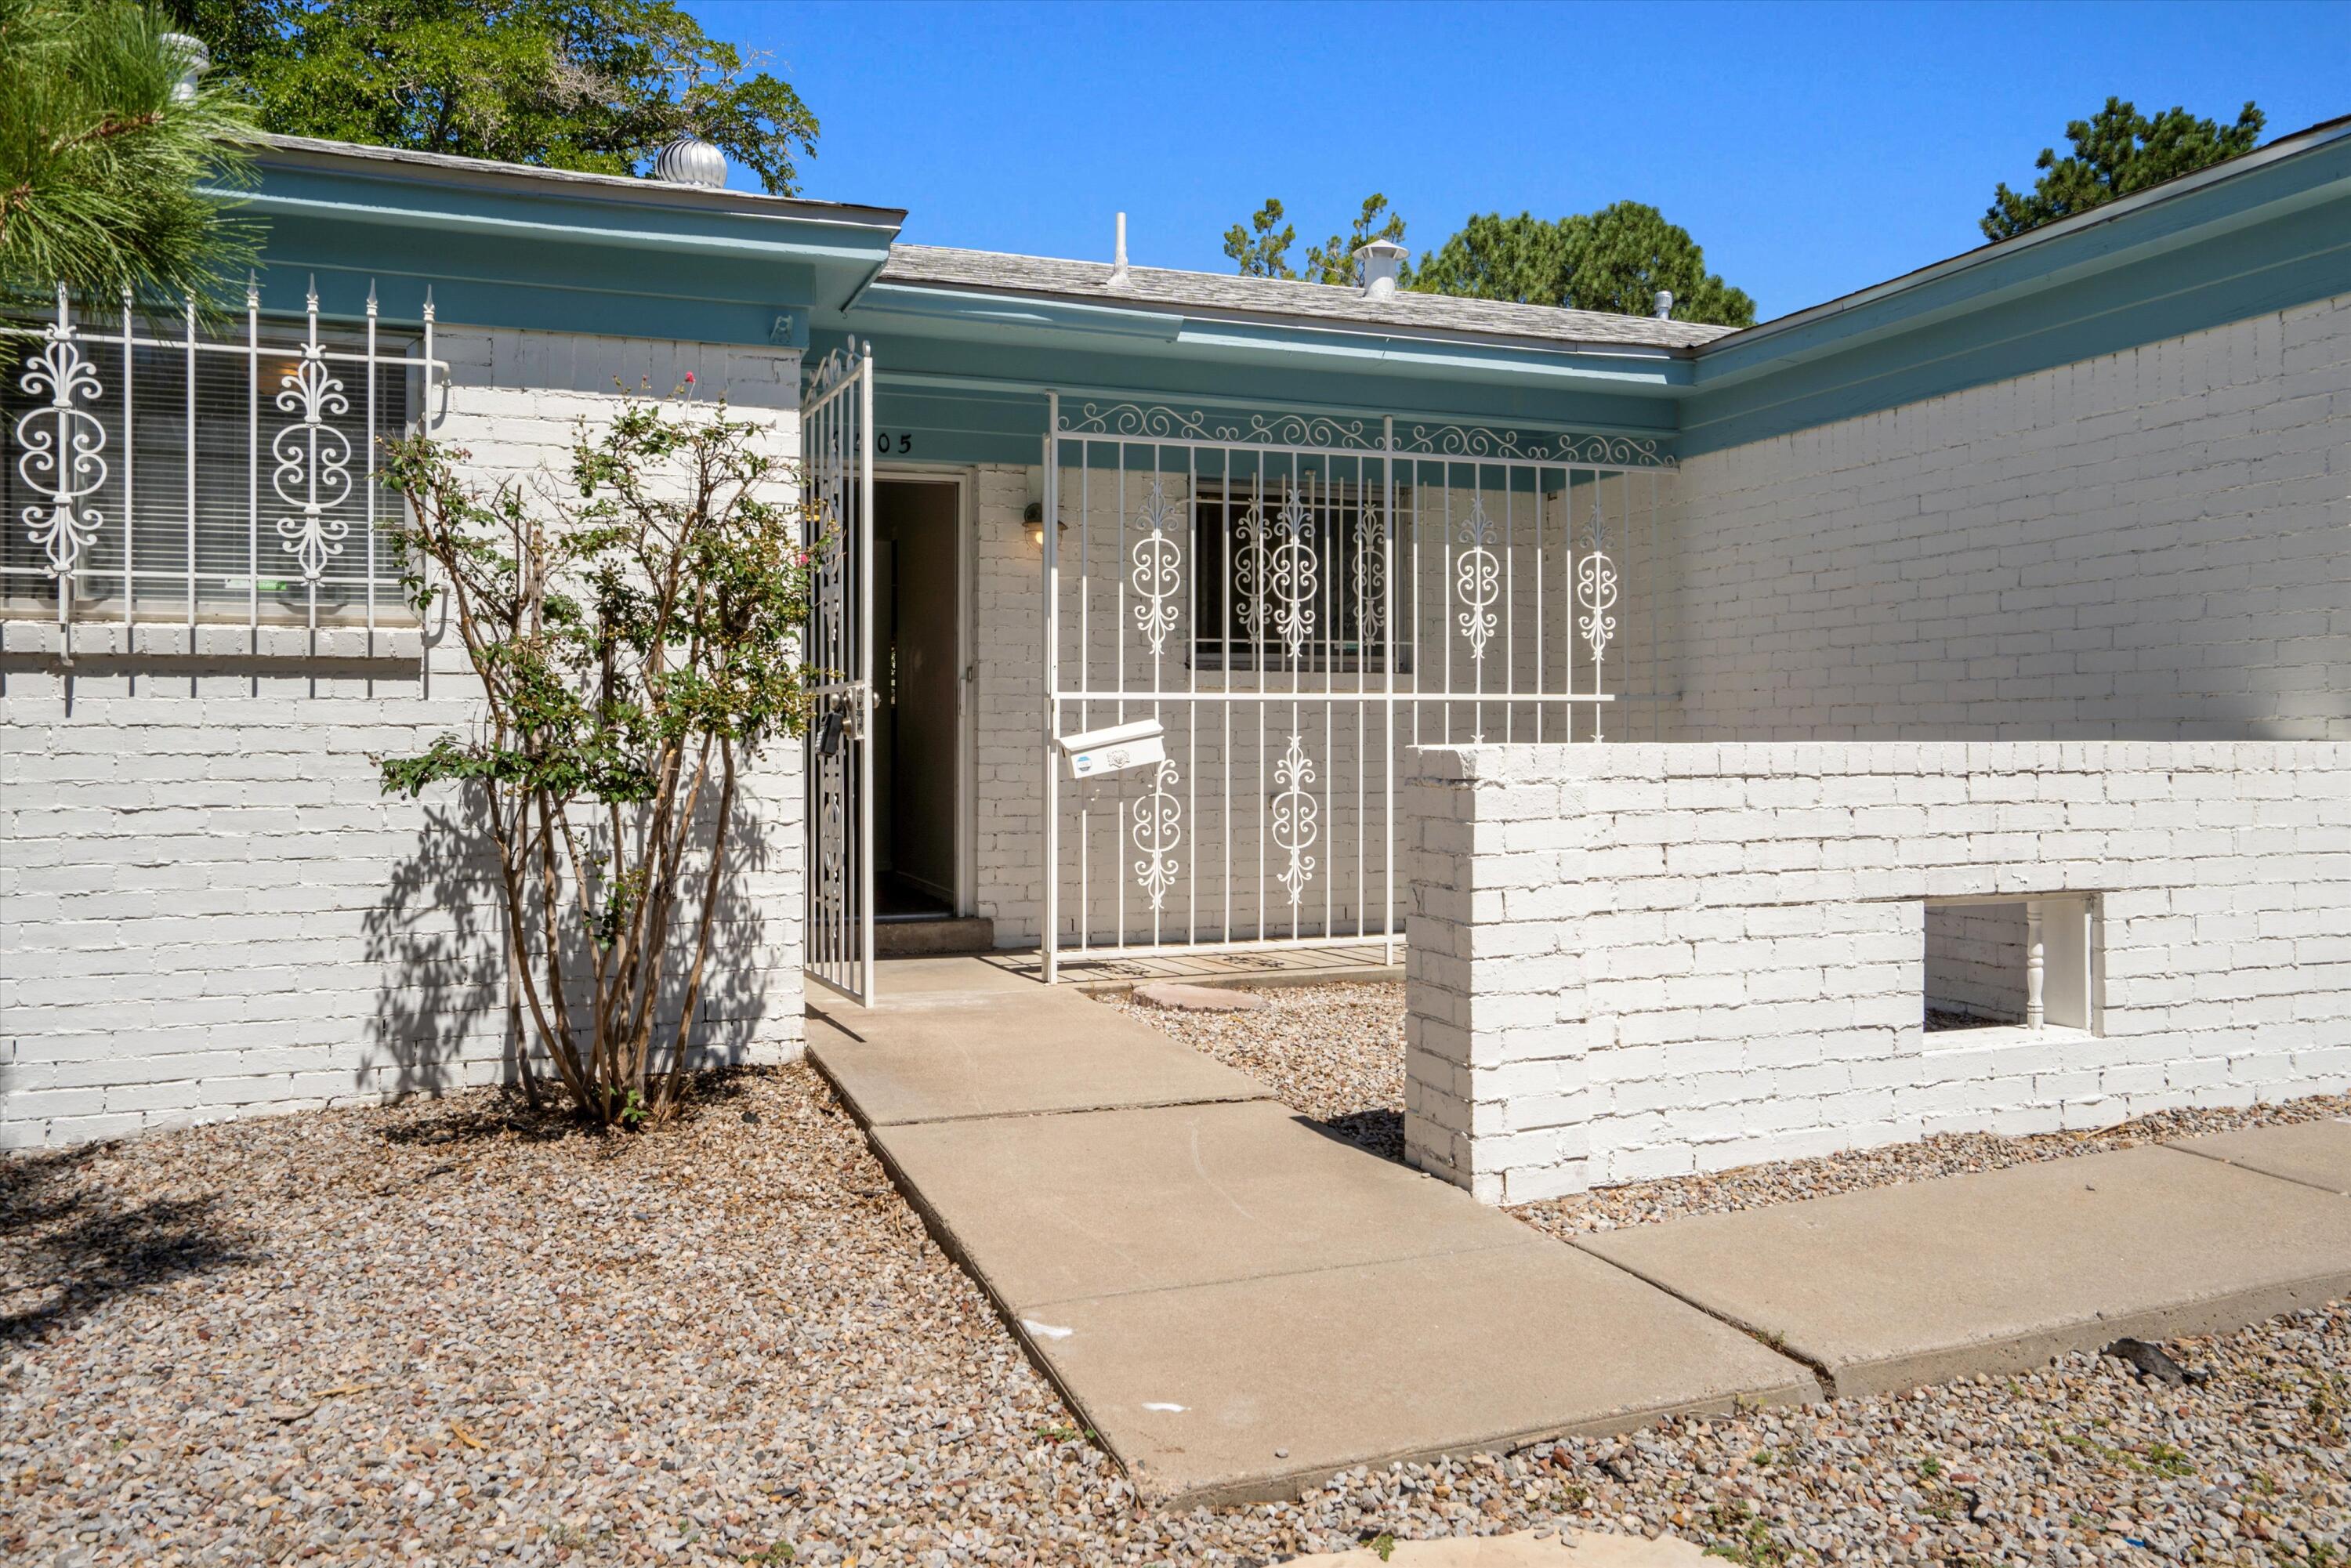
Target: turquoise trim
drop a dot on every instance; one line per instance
(497, 251)
(888, 308)
(963, 370)
(1023, 369)
(480, 281)
(2244, 271)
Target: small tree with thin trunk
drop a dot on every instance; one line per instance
(636, 629)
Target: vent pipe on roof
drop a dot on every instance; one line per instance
(1118, 257)
(1382, 259)
(1665, 305)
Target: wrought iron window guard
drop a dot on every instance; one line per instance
(201, 478)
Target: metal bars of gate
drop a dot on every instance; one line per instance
(1295, 599)
(836, 443)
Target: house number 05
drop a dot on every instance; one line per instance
(885, 442)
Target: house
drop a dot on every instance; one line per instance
(1172, 610)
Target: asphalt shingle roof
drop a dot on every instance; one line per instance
(1151, 286)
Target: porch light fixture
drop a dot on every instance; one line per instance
(1033, 519)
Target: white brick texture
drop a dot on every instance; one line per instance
(2151, 545)
(1642, 960)
(208, 907)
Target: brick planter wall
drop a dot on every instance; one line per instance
(1629, 961)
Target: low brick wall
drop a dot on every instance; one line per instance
(1631, 961)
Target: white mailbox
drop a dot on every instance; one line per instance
(1137, 745)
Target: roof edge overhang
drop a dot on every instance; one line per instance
(1042, 319)
(428, 169)
(2290, 173)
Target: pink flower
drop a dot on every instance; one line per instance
(689, 377)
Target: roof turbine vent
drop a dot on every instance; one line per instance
(691, 160)
(1665, 303)
(193, 60)
(1382, 260)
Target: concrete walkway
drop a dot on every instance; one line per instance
(1997, 1271)
(1237, 1303)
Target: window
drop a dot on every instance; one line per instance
(1294, 575)
(223, 478)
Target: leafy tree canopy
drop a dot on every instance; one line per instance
(595, 85)
(2120, 151)
(1614, 259)
(100, 161)
(1262, 249)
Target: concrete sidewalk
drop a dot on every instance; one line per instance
(1999, 1271)
(1237, 1303)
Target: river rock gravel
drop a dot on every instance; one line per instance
(1334, 1051)
(447, 1333)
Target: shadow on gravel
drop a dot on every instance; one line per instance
(1379, 1132)
(506, 1113)
(67, 1246)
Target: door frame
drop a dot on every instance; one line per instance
(967, 785)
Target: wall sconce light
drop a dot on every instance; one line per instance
(1033, 520)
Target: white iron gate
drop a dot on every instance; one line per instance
(837, 448)
(1292, 600)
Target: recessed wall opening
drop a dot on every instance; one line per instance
(2024, 962)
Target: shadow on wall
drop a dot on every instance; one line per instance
(69, 1246)
(437, 941)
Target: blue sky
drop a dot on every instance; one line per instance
(1811, 149)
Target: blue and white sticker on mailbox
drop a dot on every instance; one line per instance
(1121, 746)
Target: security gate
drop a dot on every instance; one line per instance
(836, 424)
(1247, 618)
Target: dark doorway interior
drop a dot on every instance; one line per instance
(915, 710)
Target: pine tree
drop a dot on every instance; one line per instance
(2115, 153)
(102, 162)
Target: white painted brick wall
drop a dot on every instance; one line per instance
(1632, 961)
(207, 906)
(2151, 545)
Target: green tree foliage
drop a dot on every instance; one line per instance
(596, 85)
(1262, 249)
(101, 162)
(636, 629)
(1334, 261)
(1523, 259)
(2119, 152)
(1614, 259)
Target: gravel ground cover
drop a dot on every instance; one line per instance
(446, 1333)
(1336, 1052)
(1333, 1051)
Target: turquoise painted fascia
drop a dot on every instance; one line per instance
(2241, 240)
(884, 309)
(2236, 275)
(481, 281)
(981, 401)
(499, 246)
